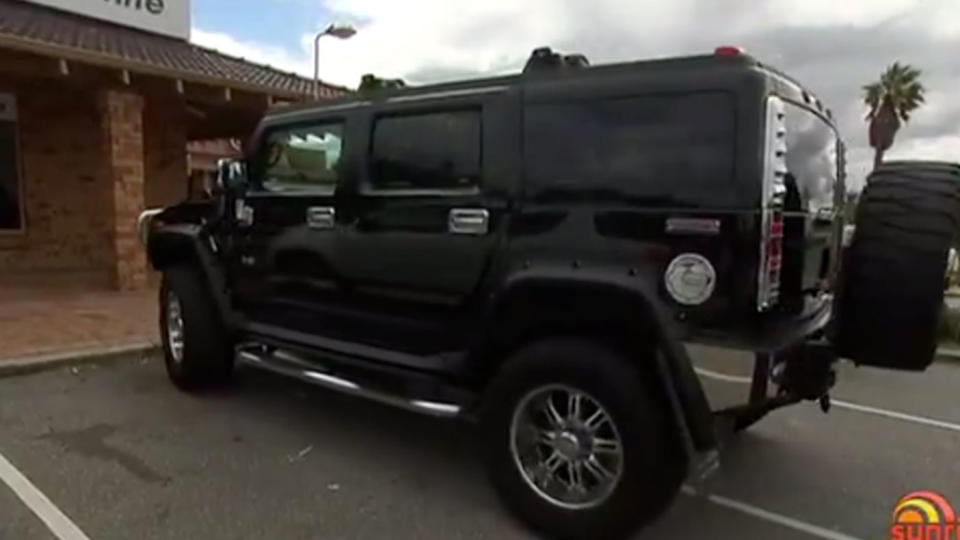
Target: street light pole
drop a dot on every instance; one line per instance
(340, 31)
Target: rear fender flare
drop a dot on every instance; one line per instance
(673, 364)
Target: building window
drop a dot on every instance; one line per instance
(654, 146)
(435, 151)
(11, 187)
(303, 159)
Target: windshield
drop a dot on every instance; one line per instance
(812, 159)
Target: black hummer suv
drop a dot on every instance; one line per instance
(533, 251)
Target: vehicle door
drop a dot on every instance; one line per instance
(814, 183)
(430, 210)
(284, 275)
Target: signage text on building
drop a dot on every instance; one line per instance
(169, 17)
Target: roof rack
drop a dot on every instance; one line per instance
(545, 60)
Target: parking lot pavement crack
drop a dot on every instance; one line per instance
(91, 442)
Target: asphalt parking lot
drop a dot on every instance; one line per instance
(122, 455)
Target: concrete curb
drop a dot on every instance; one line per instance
(948, 353)
(41, 362)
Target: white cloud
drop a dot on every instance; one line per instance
(807, 13)
(946, 147)
(277, 57)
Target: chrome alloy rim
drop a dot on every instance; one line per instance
(566, 447)
(174, 327)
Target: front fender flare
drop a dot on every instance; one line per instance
(174, 244)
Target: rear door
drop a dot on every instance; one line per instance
(814, 182)
(284, 273)
(430, 210)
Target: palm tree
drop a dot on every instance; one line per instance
(891, 100)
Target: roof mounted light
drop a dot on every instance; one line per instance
(728, 51)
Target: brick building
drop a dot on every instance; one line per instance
(95, 120)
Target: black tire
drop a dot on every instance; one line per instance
(207, 352)
(891, 286)
(653, 462)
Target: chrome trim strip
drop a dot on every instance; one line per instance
(344, 347)
(449, 93)
(445, 409)
(332, 382)
(772, 192)
(306, 111)
(701, 226)
(143, 224)
(369, 191)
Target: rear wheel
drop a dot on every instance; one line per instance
(196, 346)
(892, 283)
(577, 443)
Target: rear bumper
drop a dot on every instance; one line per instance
(768, 333)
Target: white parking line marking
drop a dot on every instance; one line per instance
(895, 415)
(932, 422)
(55, 520)
(717, 376)
(772, 517)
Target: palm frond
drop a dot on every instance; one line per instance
(900, 86)
(872, 93)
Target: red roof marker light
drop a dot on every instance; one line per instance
(727, 51)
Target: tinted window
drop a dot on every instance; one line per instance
(11, 216)
(302, 158)
(429, 151)
(812, 147)
(10, 204)
(663, 146)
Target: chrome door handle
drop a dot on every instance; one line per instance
(243, 213)
(321, 217)
(825, 215)
(471, 221)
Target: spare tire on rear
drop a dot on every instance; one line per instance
(891, 286)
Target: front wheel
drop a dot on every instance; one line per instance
(578, 443)
(196, 346)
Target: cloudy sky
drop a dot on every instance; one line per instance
(833, 46)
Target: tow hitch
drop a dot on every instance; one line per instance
(804, 372)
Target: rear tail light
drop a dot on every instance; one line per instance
(771, 211)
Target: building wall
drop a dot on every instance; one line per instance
(165, 143)
(91, 160)
(122, 130)
(67, 198)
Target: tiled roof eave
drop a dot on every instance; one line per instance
(54, 50)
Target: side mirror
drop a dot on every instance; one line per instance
(231, 175)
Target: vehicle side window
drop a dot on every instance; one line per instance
(438, 150)
(657, 146)
(302, 159)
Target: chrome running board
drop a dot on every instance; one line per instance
(290, 365)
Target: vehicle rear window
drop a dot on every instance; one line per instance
(812, 150)
(438, 150)
(677, 147)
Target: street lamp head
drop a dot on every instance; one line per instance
(340, 30)
(337, 30)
